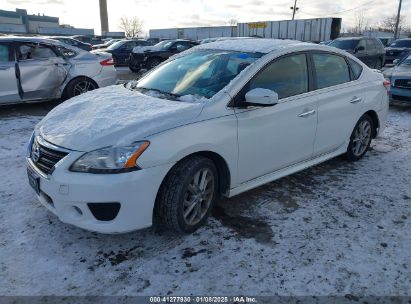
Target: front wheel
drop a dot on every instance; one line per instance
(360, 139)
(187, 195)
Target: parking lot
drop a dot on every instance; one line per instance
(338, 228)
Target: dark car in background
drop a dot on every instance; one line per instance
(369, 50)
(149, 57)
(400, 79)
(386, 41)
(105, 44)
(121, 50)
(89, 39)
(398, 49)
(73, 42)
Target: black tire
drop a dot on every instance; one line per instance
(353, 152)
(153, 62)
(133, 67)
(174, 192)
(79, 86)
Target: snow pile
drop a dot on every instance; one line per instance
(78, 122)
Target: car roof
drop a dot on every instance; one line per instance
(252, 45)
(29, 39)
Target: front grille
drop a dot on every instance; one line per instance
(402, 83)
(44, 158)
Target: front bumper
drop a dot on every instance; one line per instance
(68, 194)
(398, 94)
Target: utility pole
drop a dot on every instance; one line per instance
(398, 21)
(294, 8)
(103, 16)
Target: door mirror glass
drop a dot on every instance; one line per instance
(261, 97)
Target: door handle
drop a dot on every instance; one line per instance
(306, 114)
(355, 99)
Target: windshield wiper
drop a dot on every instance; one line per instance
(176, 96)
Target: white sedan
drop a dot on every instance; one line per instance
(218, 119)
(39, 69)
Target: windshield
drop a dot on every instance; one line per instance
(406, 61)
(344, 44)
(116, 45)
(163, 45)
(401, 43)
(200, 74)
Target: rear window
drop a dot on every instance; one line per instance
(345, 44)
(356, 69)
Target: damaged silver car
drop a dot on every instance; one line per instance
(38, 69)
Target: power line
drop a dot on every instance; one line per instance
(340, 12)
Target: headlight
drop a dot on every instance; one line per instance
(111, 159)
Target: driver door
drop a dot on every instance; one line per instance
(275, 137)
(41, 71)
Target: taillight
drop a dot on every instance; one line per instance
(108, 61)
(387, 86)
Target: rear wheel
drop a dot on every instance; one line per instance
(79, 86)
(187, 195)
(360, 139)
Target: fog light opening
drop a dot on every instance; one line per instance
(78, 210)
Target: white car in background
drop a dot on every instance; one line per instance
(218, 119)
(39, 69)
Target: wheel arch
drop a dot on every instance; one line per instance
(375, 120)
(64, 93)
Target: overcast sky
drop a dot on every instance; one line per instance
(183, 13)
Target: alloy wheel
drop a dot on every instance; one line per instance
(83, 87)
(362, 138)
(198, 197)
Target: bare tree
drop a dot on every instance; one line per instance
(388, 24)
(232, 22)
(133, 27)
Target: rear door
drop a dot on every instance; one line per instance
(8, 82)
(340, 100)
(41, 71)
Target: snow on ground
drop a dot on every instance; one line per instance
(338, 228)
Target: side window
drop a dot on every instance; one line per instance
(286, 76)
(67, 53)
(4, 52)
(330, 70)
(35, 51)
(355, 68)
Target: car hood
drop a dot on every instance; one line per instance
(112, 116)
(402, 71)
(396, 48)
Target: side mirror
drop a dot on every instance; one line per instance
(261, 97)
(396, 61)
(360, 48)
(173, 49)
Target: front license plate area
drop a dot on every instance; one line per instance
(34, 180)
